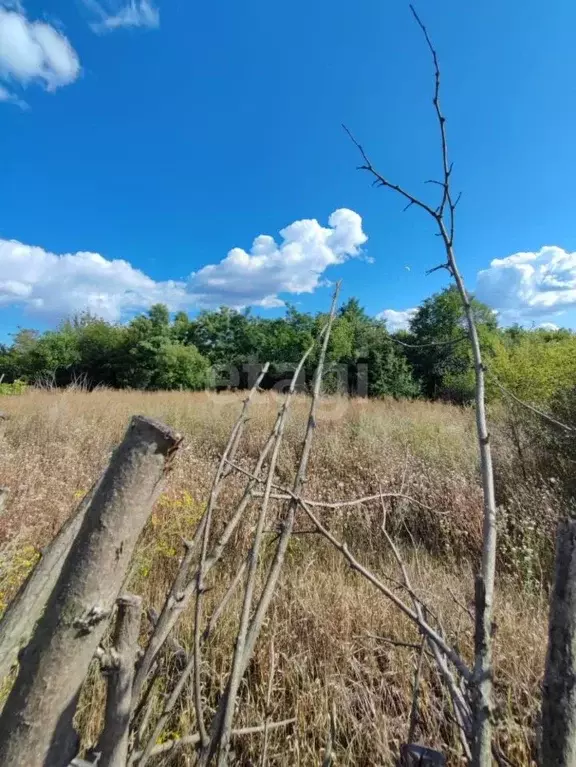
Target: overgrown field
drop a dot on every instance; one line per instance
(333, 634)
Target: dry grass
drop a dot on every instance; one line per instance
(326, 620)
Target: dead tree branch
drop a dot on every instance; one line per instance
(4, 493)
(270, 688)
(423, 625)
(194, 739)
(533, 409)
(209, 561)
(414, 715)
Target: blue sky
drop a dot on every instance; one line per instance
(140, 142)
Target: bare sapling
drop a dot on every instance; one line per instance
(443, 216)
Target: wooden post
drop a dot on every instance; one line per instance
(25, 609)
(4, 493)
(558, 744)
(113, 746)
(36, 724)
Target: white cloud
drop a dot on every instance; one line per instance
(11, 98)
(115, 15)
(33, 52)
(397, 320)
(527, 285)
(548, 326)
(296, 265)
(58, 285)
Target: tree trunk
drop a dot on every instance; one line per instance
(36, 724)
(25, 609)
(558, 745)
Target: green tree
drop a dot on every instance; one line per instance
(180, 367)
(536, 365)
(443, 361)
(152, 359)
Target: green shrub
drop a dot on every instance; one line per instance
(18, 387)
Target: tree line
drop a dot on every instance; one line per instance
(225, 348)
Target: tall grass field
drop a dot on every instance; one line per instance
(336, 641)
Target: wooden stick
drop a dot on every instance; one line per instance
(113, 743)
(194, 739)
(222, 723)
(181, 592)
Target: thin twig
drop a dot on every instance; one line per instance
(432, 343)
(423, 625)
(287, 495)
(395, 642)
(194, 739)
(271, 672)
(212, 621)
(414, 717)
(327, 761)
(461, 605)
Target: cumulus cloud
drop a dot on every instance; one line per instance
(58, 285)
(295, 265)
(115, 15)
(529, 285)
(397, 320)
(548, 326)
(33, 52)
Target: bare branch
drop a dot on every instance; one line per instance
(221, 725)
(287, 495)
(180, 593)
(327, 761)
(432, 343)
(444, 216)
(193, 740)
(382, 181)
(559, 689)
